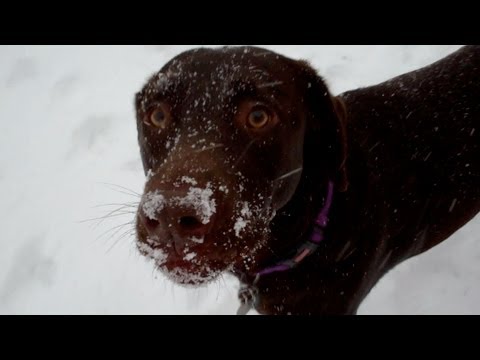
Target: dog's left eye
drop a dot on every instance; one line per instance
(255, 117)
(258, 118)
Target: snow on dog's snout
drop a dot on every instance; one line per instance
(199, 199)
(153, 203)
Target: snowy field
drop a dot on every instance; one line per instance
(67, 128)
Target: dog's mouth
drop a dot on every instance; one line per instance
(198, 263)
(195, 260)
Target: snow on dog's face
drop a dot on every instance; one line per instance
(221, 139)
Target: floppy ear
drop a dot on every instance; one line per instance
(341, 114)
(325, 138)
(140, 131)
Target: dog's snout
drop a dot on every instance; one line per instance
(183, 213)
(187, 223)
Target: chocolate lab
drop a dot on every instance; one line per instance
(254, 168)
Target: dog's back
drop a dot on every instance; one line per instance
(419, 135)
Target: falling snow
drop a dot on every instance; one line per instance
(74, 272)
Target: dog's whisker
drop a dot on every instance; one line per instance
(121, 210)
(126, 233)
(270, 84)
(293, 172)
(215, 146)
(129, 191)
(126, 193)
(111, 214)
(117, 227)
(132, 204)
(120, 228)
(118, 213)
(217, 282)
(111, 217)
(244, 152)
(129, 232)
(117, 240)
(124, 188)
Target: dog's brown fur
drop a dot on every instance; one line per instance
(404, 157)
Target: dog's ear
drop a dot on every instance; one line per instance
(341, 114)
(140, 130)
(325, 136)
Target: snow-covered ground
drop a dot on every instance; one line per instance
(67, 127)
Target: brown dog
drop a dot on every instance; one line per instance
(247, 154)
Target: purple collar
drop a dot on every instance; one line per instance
(248, 292)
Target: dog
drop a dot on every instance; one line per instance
(254, 168)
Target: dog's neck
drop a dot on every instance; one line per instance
(338, 253)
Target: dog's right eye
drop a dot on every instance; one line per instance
(159, 116)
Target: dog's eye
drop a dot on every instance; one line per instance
(258, 118)
(160, 116)
(255, 117)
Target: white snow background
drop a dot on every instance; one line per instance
(67, 126)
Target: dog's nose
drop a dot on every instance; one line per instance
(187, 223)
(175, 219)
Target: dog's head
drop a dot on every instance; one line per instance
(222, 135)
